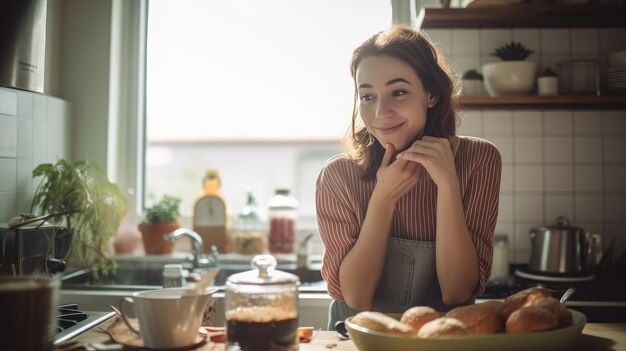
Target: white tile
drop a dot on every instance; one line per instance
(471, 123)
(612, 39)
(557, 122)
(588, 122)
(498, 122)
(559, 205)
(615, 207)
(8, 174)
(8, 102)
(37, 181)
(529, 178)
(491, 39)
(24, 138)
(505, 210)
(614, 149)
(442, 38)
(584, 40)
(55, 110)
(528, 37)
(53, 140)
(553, 61)
(587, 178)
(528, 149)
(587, 149)
(614, 178)
(7, 205)
(555, 41)
(506, 179)
(487, 59)
(596, 227)
(558, 149)
(522, 235)
(465, 42)
(527, 122)
(521, 257)
(505, 147)
(39, 139)
(588, 207)
(504, 228)
(528, 208)
(25, 105)
(614, 122)
(8, 136)
(39, 107)
(615, 230)
(24, 201)
(559, 178)
(24, 174)
(464, 63)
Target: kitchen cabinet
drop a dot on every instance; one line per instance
(526, 16)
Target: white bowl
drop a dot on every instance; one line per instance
(510, 77)
(617, 59)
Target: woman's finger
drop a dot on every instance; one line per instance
(389, 151)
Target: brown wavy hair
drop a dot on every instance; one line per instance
(416, 49)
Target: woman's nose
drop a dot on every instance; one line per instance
(383, 109)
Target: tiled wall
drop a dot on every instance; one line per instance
(34, 129)
(555, 162)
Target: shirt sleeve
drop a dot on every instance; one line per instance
(336, 221)
(480, 203)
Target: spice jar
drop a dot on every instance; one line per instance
(283, 212)
(250, 230)
(261, 308)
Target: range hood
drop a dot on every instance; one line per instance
(23, 44)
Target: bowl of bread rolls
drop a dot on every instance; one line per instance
(527, 320)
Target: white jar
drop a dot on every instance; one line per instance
(500, 263)
(172, 276)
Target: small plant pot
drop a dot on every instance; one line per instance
(472, 87)
(153, 237)
(548, 86)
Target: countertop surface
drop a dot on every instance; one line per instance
(595, 336)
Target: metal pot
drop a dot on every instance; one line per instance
(563, 249)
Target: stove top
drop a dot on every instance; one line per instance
(71, 321)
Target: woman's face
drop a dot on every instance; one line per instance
(392, 100)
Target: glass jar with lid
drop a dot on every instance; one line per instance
(250, 229)
(261, 308)
(283, 213)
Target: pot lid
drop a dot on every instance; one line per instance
(263, 273)
(562, 223)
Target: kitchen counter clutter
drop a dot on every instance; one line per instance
(595, 336)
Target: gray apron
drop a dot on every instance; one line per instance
(409, 279)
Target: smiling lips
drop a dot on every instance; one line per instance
(389, 129)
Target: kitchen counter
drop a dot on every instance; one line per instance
(595, 336)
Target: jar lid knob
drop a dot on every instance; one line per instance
(562, 221)
(265, 264)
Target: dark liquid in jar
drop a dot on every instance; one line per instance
(271, 335)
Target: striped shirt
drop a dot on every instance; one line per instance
(342, 197)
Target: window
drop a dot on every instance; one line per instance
(259, 90)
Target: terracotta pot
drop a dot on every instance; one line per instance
(153, 241)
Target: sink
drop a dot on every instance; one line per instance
(146, 273)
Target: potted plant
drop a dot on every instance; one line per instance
(88, 206)
(160, 219)
(513, 75)
(547, 83)
(472, 83)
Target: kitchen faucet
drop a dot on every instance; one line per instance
(199, 259)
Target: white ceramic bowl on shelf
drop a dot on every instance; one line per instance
(510, 77)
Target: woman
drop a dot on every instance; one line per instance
(407, 213)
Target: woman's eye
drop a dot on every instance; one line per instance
(398, 92)
(366, 97)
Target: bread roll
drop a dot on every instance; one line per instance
(563, 315)
(381, 322)
(443, 326)
(530, 319)
(479, 318)
(417, 316)
(524, 298)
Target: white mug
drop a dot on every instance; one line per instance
(167, 318)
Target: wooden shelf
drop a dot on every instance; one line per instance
(526, 16)
(543, 102)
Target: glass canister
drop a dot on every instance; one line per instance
(250, 229)
(283, 213)
(261, 308)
